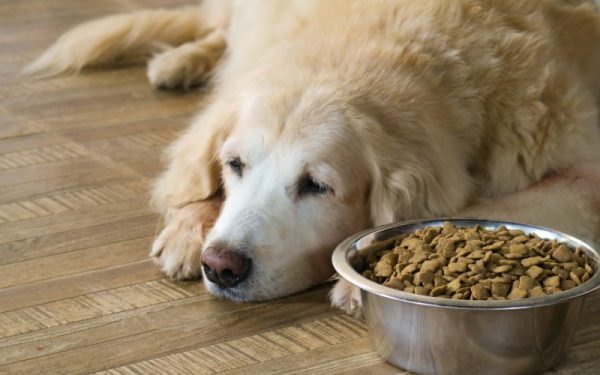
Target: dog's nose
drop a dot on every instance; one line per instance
(224, 267)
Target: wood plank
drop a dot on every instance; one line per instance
(112, 326)
(47, 90)
(298, 347)
(88, 306)
(337, 359)
(29, 141)
(73, 200)
(38, 173)
(235, 324)
(89, 111)
(581, 359)
(131, 225)
(44, 155)
(64, 179)
(13, 127)
(94, 258)
(34, 294)
(62, 218)
(173, 125)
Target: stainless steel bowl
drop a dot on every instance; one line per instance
(430, 335)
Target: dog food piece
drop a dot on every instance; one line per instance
(478, 267)
(579, 271)
(532, 261)
(518, 270)
(472, 235)
(502, 269)
(476, 254)
(385, 265)
(517, 293)
(520, 239)
(480, 292)
(423, 278)
(404, 277)
(448, 227)
(446, 247)
(438, 291)
(562, 254)
(527, 283)
(478, 264)
(430, 265)
(567, 284)
(430, 234)
(412, 243)
(418, 258)
(517, 251)
(575, 278)
(538, 291)
(394, 283)
(495, 246)
(552, 282)
(500, 289)
(534, 272)
(457, 266)
(409, 269)
(422, 290)
(570, 266)
(585, 277)
(453, 286)
(562, 273)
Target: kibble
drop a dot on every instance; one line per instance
(534, 272)
(478, 264)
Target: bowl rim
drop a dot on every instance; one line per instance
(346, 271)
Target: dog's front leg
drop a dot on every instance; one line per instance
(178, 248)
(346, 297)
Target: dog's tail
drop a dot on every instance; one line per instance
(117, 37)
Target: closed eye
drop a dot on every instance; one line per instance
(236, 165)
(307, 185)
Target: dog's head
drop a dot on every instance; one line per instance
(302, 169)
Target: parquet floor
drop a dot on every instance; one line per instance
(77, 291)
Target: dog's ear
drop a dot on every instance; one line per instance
(194, 172)
(413, 180)
(418, 155)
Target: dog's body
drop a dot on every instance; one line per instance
(332, 116)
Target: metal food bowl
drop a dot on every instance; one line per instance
(431, 335)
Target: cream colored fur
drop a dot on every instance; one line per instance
(406, 110)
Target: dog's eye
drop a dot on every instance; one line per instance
(309, 186)
(236, 165)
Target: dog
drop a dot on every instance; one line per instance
(328, 117)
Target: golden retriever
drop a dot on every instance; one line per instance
(328, 117)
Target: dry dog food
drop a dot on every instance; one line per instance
(478, 264)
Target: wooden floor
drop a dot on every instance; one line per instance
(77, 291)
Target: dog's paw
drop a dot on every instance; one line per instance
(347, 297)
(188, 64)
(178, 248)
(177, 67)
(177, 252)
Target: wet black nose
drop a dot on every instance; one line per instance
(225, 268)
